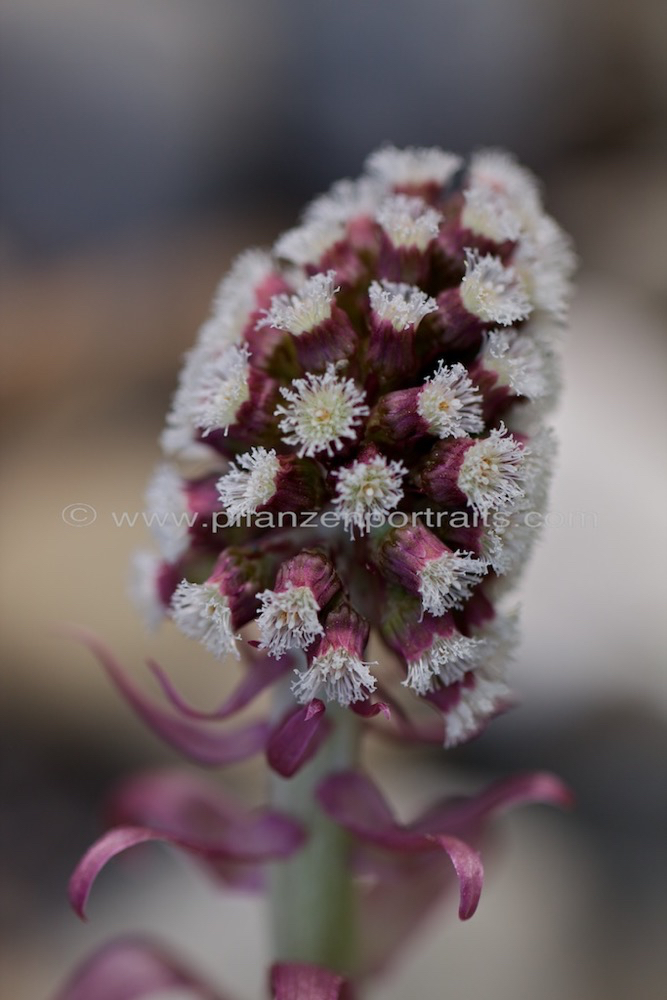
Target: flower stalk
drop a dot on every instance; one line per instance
(312, 898)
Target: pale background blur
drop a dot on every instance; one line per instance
(144, 143)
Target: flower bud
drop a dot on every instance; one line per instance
(396, 312)
(432, 649)
(180, 512)
(487, 473)
(514, 364)
(409, 226)
(262, 481)
(289, 617)
(337, 234)
(213, 611)
(250, 416)
(417, 560)
(468, 704)
(415, 171)
(446, 405)
(489, 294)
(320, 331)
(336, 667)
(152, 584)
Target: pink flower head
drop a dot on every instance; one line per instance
(390, 362)
(382, 377)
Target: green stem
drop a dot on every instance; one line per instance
(312, 896)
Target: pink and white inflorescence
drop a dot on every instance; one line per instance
(358, 444)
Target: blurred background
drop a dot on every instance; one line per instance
(144, 144)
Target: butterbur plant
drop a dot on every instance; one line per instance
(357, 446)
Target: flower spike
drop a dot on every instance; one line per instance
(356, 449)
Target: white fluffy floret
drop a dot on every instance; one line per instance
(367, 491)
(288, 619)
(235, 299)
(413, 166)
(546, 262)
(346, 200)
(322, 411)
(307, 244)
(448, 659)
(307, 309)
(401, 305)
(489, 692)
(336, 674)
(492, 473)
(201, 612)
(492, 292)
(521, 363)
(250, 482)
(447, 581)
(178, 437)
(509, 537)
(501, 638)
(167, 513)
(408, 222)
(496, 170)
(489, 212)
(476, 705)
(220, 391)
(449, 403)
(539, 465)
